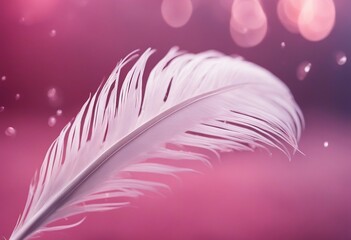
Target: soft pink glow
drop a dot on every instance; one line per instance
(247, 37)
(52, 121)
(248, 25)
(17, 96)
(54, 97)
(289, 12)
(313, 19)
(245, 196)
(176, 13)
(52, 33)
(317, 19)
(36, 10)
(248, 13)
(58, 112)
(10, 132)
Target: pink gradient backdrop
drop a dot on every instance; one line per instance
(248, 195)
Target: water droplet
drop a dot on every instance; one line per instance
(307, 68)
(58, 112)
(52, 121)
(54, 97)
(341, 58)
(3, 78)
(10, 132)
(2, 108)
(303, 69)
(282, 44)
(51, 93)
(326, 144)
(17, 96)
(52, 33)
(176, 13)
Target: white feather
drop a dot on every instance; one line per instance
(193, 101)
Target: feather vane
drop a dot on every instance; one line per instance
(203, 101)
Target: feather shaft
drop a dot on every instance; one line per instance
(63, 196)
(228, 104)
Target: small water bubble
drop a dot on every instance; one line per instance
(3, 78)
(26, 21)
(10, 132)
(54, 97)
(303, 69)
(326, 144)
(307, 68)
(52, 93)
(17, 96)
(52, 33)
(2, 108)
(52, 121)
(58, 112)
(282, 44)
(22, 20)
(341, 58)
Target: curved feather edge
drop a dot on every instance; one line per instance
(193, 105)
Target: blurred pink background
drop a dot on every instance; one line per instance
(62, 50)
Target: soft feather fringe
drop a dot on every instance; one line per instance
(194, 101)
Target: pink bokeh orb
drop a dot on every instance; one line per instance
(176, 13)
(317, 19)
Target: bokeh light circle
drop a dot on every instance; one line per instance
(289, 12)
(176, 13)
(303, 69)
(248, 13)
(33, 11)
(317, 19)
(247, 37)
(340, 58)
(248, 24)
